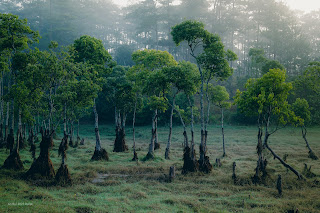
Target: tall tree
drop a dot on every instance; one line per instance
(15, 36)
(301, 109)
(91, 52)
(182, 78)
(266, 98)
(149, 67)
(208, 51)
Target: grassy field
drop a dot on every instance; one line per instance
(121, 185)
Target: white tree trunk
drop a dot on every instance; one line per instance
(98, 142)
(202, 116)
(133, 125)
(167, 153)
(222, 131)
(151, 146)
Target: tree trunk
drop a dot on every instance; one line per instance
(265, 144)
(204, 162)
(65, 119)
(261, 163)
(6, 128)
(12, 114)
(150, 154)
(19, 133)
(99, 153)
(167, 153)
(190, 163)
(78, 133)
(71, 134)
(96, 125)
(192, 130)
(312, 155)
(2, 141)
(185, 142)
(222, 131)
(43, 165)
(202, 144)
(207, 120)
(51, 109)
(135, 156)
(120, 143)
(300, 177)
(156, 139)
(32, 144)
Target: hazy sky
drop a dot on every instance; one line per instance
(306, 5)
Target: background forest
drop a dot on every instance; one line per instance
(261, 33)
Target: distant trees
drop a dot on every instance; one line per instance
(146, 24)
(307, 86)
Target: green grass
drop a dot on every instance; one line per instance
(142, 187)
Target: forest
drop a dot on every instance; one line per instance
(162, 105)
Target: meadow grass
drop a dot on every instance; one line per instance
(121, 185)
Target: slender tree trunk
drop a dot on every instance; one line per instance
(192, 129)
(78, 131)
(208, 119)
(51, 109)
(185, 142)
(202, 148)
(1, 113)
(65, 119)
(265, 144)
(71, 134)
(133, 131)
(304, 135)
(222, 131)
(167, 153)
(96, 126)
(153, 136)
(119, 143)
(6, 128)
(156, 139)
(39, 126)
(19, 132)
(300, 177)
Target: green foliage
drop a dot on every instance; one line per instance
(160, 103)
(219, 96)
(271, 64)
(301, 109)
(184, 77)
(307, 86)
(266, 97)
(149, 75)
(15, 34)
(189, 31)
(119, 90)
(211, 57)
(90, 51)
